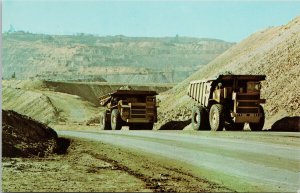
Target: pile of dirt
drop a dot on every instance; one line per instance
(274, 52)
(287, 124)
(25, 137)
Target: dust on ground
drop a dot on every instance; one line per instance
(93, 166)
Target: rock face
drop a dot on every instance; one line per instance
(111, 58)
(25, 137)
(274, 52)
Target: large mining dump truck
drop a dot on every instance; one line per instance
(229, 101)
(134, 108)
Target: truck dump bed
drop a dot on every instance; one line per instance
(104, 99)
(133, 92)
(200, 90)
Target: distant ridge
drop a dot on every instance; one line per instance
(90, 57)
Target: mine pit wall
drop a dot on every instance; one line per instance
(91, 91)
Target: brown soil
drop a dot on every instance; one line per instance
(25, 137)
(93, 166)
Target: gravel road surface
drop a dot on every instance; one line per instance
(242, 161)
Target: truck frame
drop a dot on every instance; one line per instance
(134, 108)
(228, 101)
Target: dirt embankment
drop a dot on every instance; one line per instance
(25, 137)
(274, 52)
(37, 101)
(29, 102)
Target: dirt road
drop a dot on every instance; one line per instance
(241, 161)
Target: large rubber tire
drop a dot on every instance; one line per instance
(199, 118)
(235, 127)
(116, 120)
(258, 126)
(217, 117)
(105, 121)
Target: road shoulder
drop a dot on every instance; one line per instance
(95, 166)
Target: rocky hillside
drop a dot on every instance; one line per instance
(274, 52)
(112, 58)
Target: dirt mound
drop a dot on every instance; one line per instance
(274, 52)
(287, 124)
(25, 137)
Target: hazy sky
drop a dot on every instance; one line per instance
(229, 20)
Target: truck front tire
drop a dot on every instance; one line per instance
(258, 126)
(199, 118)
(217, 117)
(105, 121)
(116, 120)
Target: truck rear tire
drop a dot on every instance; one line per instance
(199, 118)
(258, 126)
(116, 120)
(217, 117)
(105, 121)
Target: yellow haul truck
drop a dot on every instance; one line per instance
(134, 108)
(228, 101)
